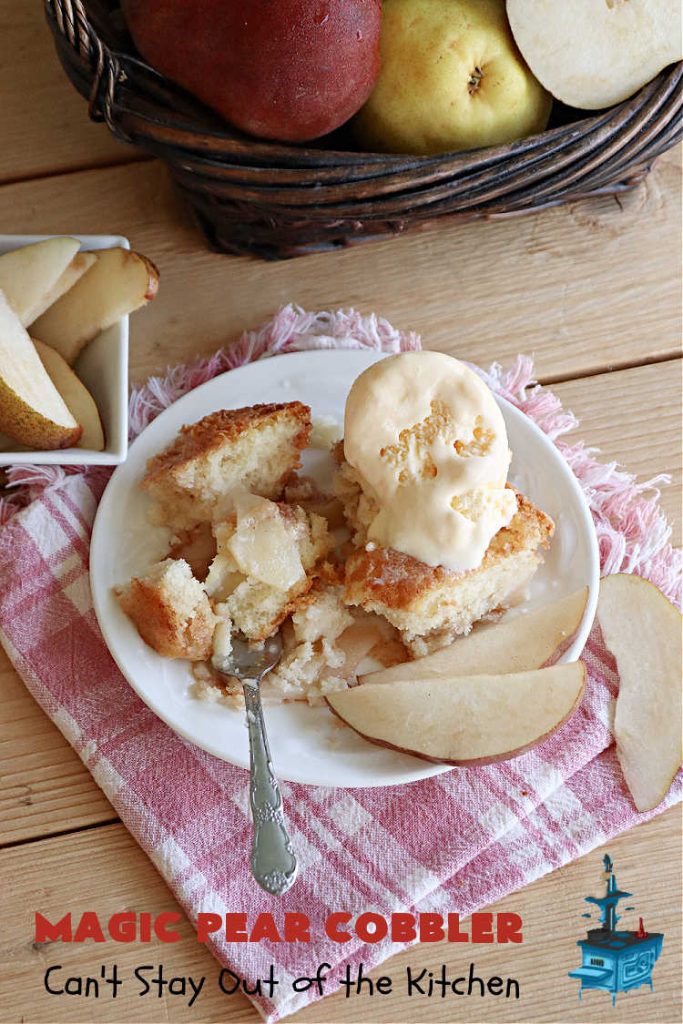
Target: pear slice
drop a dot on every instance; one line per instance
(29, 275)
(119, 282)
(514, 645)
(465, 719)
(79, 401)
(31, 408)
(81, 262)
(642, 629)
(594, 53)
(8, 444)
(262, 545)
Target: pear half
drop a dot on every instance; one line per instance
(463, 720)
(594, 53)
(518, 644)
(642, 629)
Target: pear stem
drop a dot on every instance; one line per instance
(475, 80)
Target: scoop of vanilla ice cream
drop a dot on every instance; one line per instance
(428, 441)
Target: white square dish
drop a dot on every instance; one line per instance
(103, 368)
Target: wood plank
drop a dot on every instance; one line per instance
(49, 876)
(47, 789)
(634, 417)
(105, 871)
(44, 122)
(568, 285)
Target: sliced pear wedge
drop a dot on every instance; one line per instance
(79, 401)
(31, 408)
(81, 262)
(642, 629)
(119, 282)
(516, 644)
(464, 720)
(28, 276)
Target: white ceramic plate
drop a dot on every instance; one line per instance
(103, 368)
(308, 744)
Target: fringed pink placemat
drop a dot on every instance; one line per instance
(455, 842)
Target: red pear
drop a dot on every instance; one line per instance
(290, 70)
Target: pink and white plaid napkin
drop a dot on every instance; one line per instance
(455, 842)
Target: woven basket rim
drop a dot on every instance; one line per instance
(277, 200)
(193, 138)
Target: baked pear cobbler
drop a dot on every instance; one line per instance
(258, 547)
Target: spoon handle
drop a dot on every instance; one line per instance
(273, 863)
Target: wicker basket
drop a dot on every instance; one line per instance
(278, 201)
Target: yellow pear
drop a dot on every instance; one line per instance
(452, 78)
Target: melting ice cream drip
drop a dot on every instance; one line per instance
(428, 441)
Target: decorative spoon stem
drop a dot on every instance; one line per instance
(273, 863)
(272, 858)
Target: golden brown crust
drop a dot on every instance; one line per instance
(298, 600)
(290, 513)
(527, 521)
(397, 580)
(160, 627)
(331, 573)
(392, 577)
(225, 425)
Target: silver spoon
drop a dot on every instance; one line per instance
(273, 863)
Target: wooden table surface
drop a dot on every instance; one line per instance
(591, 290)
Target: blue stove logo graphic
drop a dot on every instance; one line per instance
(613, 960)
